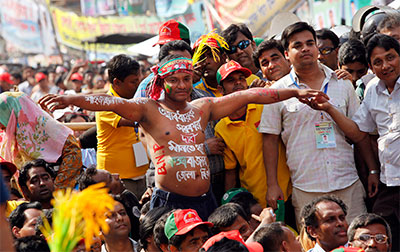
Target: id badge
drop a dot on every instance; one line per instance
(140, 154)
(325, 135)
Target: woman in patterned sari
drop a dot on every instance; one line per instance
(30, 133)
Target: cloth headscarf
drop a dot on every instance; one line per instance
(30, 132)
(177, 65)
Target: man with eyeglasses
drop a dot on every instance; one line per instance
(241, 47)
(370, 232)
(328, 46)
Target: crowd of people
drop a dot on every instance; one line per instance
(233, 144)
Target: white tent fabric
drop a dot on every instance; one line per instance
(146, 47)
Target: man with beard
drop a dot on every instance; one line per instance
(36, 180)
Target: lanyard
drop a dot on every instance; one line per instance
(297, 85)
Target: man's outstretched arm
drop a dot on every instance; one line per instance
(133, 109)
(223, 106)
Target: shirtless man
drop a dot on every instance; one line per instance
(174, 128)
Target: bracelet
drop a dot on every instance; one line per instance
(374, 172)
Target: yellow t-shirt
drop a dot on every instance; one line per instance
(250, 79)
(115, 145)
(244, 145)
(213, 92)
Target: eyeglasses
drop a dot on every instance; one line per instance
(379, 238)
(326, 50)
(242, 45)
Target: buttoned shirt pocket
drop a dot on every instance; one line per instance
(340, 104)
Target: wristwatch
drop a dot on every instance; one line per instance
(374, 172)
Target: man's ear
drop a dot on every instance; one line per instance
(220, 89)
(164, 247)
(311, 231)
(26, 193)
(370, 67)
(172, 248)
(287, 55)
(116, 82)
(284, 246)
(253, 45)
(15, 231)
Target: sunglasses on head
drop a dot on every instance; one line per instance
(241, 45)
(379, 238)
(326, 50)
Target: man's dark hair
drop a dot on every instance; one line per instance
(158, 232)
(309, 211)
(270, 236)
(230, 34)
(177, 240)
(264, 46)
(121, 66)
(175, 45)
(328, 34)
(17, 217)
(31, 243)
(225, 216)
(293, 29)
(226, 244)
(23, 173)
(389, 22)
(147, 224)
(384, 41)
(246, 201)
(86, 178)
(352, 51)
(365, 219)
(16, 75)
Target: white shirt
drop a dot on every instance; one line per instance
(134, 244)
(317, 248)
(381, 110)
(312, 169)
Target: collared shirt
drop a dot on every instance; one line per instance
(202, 85)
(25, 87)
(243, 146)
(317, 248)
(312, 169)
(381, 110)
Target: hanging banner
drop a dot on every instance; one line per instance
(169, 8)
(256, 14)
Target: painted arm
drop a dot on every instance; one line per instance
(224, 106)
(133, 109)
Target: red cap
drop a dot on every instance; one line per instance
(76, 76)
(211, 42)
(182, 221)
(172, 30)
(40, 76)
(233, 235)
(227, 68)
(6, 77)
(10, 166)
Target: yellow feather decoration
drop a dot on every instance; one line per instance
(215, 48)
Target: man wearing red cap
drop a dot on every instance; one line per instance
(186, 231)
(232, 235)
(43, 84)
(5, 82)
(172, 30)
(243, 141)
(174, 128)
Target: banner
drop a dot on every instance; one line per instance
(169, 8)
(72, 29)
(97, 7)
(256, 14)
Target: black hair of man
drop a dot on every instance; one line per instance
(68, 117)
(23, 173)
(389, 22)
(175, 45)
(366, 219)
(270, 236)
(147, 224)
(246, 200)
(177, 240)
(264, 46)
(225, 216)
(352, 51)
(293, 29)
(309, 211)
(17, 217)
(158, 233)
(226, 244)
(31, 243)
(121, 66)
(328, 34)
(86, 178)
(17, 75)
(384, 41)
(231, 32)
